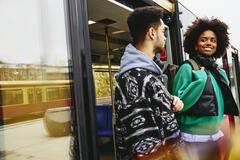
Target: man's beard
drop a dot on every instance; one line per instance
(159, 49)
(160, 46)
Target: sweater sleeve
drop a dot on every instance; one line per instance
(188, 85)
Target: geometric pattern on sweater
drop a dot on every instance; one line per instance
(143, 115)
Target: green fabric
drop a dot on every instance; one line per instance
(188, 85)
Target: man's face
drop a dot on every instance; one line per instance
(160, 38)
(207, 43)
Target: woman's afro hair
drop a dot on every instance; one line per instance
(200, 25)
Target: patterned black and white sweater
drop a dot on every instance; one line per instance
(144, 119)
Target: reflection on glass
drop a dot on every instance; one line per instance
(34, 83)
(58, 93)
(11, 97)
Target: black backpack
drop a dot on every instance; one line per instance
(171, 71)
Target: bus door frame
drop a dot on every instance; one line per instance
(236, 72)
(83, 93)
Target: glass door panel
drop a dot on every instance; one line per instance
(35, 89)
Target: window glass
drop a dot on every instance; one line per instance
(34, 83)
(57, 93)
(11, 97)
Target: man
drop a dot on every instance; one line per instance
(146, 127)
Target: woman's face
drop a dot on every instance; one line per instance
(207, 43)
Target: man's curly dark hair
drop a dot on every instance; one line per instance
(202, 24)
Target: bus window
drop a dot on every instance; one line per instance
(11, 97)
(34, 95)
(57, 93)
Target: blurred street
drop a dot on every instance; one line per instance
(29, 140)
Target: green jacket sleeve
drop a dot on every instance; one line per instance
(224, 74)
(188, 85)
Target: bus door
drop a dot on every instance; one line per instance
(236, 79)
(34, 43)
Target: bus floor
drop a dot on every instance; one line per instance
(106, 149)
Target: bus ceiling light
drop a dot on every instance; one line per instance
(118, 49)
(118, 32)
(121, 5)
(168, 5)
(91, 22)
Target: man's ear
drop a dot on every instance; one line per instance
(151, 33)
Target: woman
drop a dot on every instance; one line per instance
(204, 91)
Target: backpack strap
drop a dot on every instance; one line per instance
(195, 66)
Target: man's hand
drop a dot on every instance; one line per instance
(177, 104)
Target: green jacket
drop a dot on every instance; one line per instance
(189, 92)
